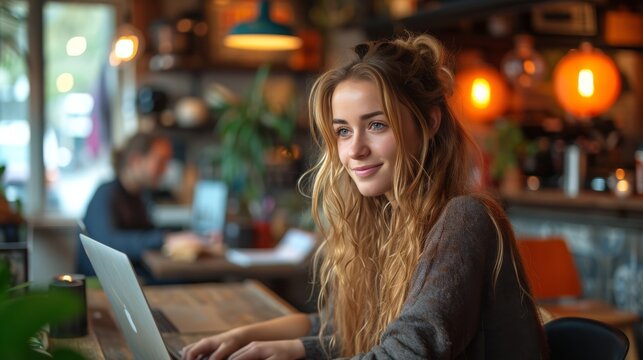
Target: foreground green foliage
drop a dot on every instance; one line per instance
(24, 313)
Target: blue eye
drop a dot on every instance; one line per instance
(378, 126)
(342, 132)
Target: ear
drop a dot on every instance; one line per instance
(435, 117)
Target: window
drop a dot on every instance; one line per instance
(14, 96)
(77, 39)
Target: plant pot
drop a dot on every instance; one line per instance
(512, 181)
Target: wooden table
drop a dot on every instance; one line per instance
(291, 282)
(214, 269)
(230, 305)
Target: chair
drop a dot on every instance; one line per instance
(550, 268)
(556, 286)
(572, 338)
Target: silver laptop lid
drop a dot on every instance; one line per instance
(129, 305)
(209, 205)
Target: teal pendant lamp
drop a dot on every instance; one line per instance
(262, 34)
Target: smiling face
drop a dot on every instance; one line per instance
(365, 140)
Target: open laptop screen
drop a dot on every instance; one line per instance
(209, 206)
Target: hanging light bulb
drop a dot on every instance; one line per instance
(481, 93)
(523, 66)
(127, 45)
(587, 82)
(262, 34)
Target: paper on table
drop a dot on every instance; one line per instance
(293, 248)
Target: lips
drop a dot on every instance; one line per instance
(364, 171)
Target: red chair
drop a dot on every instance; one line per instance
(550, 268)
(556, 286)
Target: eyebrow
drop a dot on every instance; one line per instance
(362, 117)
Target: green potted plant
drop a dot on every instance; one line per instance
(506, 147)
(247, 127)
(24, 314)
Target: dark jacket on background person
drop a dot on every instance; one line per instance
(120, 220)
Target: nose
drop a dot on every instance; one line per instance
(358, 147)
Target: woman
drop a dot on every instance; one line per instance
(413, 264)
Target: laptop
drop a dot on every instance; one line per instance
(206, 215)
(209, 205)
(133, 314)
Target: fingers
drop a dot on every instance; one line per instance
(222, 352)
(281, 349)
(195, 350)
(250, 351)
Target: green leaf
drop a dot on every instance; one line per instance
(245, 130)
(255, 98)
(19, 287)
(23, 316)
(5, 278)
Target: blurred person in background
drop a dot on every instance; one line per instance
(118, 214)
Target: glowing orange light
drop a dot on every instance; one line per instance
(622, 186)
(66, 278)
(529, 66)
(586, 82)
(481, 94)
(126, 47)
(620, 174)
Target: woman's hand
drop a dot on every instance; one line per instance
(273, 350)
(254, 341)
(217, 347)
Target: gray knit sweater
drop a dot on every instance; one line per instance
(452, 311)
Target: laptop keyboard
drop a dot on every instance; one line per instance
(162, 322)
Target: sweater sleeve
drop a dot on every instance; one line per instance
(442, 312)
(100, 224)
(315, 347)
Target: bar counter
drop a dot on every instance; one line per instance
(603, 232)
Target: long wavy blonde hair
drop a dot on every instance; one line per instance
(371, 246)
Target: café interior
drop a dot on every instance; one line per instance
(551, 92)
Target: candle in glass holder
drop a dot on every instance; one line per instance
(620, 183)
(623, 188)
(74, 285)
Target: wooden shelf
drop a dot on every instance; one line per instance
(458, 24)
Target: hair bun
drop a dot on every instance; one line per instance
(433, 59)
